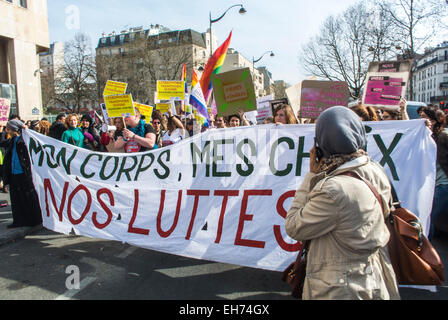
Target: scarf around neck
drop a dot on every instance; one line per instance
(139, 129)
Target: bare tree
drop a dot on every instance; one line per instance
(48, 91)
(340, 52)
(416, 22)
(76, 80)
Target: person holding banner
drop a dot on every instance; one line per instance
(220, 122)
(439, 212)
(175, 132)
(73, 135)
(159, 127)
(137, 135)
(58, 127)
(25, 206)
(238, 120)
(365, 113)
(340, 216)
(91, 135)
(283, 114)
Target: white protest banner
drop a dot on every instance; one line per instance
(240, 182)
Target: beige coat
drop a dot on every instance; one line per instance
(348, 257)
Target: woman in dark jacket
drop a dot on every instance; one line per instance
(91, 135)
(25, 206)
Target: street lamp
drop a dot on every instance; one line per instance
(38, 71)
(241, 11)
(255, 61)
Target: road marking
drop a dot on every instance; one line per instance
(126, 253)
(69, 294)
(198, 270)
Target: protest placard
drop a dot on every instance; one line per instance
(5, 106)
(163, 107)
(386, 84)
(144, 111)
(234, 91)
(264, 108)
(318, 96)
(114, 88)
(294, 95)
(119, 105)
(168, 90)
(385, 90)
(104, 112)
(238, 181)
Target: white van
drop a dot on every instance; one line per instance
(412, 108)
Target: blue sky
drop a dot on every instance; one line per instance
(282, 26)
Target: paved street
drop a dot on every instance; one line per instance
(37, 264)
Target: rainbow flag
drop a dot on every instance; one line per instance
(197, 98)
(213, 66)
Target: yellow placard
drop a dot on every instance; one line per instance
(119, 105)
(114, 88)
(163, 107)
(167, 90)
(144, 110)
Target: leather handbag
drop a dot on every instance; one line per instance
(413, 258)
(295, 273)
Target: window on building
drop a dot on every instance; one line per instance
(23, 4)
(445, 68)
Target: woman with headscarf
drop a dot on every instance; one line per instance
(17, 173)
(341, 217)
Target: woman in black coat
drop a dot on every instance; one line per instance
(25, 206)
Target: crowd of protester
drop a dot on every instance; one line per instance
(136, 134)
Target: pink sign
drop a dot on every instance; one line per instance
(384, 90)
(318, 96)
(4, 111)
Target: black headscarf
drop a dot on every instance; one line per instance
(340, 131)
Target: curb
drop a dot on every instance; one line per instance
(13, 235)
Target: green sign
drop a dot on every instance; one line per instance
(234, 91)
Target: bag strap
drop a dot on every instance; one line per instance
(371, 187)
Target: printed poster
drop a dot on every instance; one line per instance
(119, 106)
(386, 83)
(144, 111)
(168, 90)
(114, 88)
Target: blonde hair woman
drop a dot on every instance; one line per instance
(73, 135)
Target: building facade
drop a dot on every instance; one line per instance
(23, 35)
(140, 57)
(430, 76)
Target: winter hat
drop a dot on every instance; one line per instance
(15, 125)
